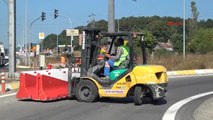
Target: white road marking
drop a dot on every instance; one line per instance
(171, 111)
(7, 95)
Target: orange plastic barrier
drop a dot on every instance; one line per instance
(52, 88)
(41, 87)
(28, 87)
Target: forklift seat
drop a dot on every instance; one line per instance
(124, 64)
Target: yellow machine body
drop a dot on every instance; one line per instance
(146, 75)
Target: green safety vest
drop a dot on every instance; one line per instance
(123, 56)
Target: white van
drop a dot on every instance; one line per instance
(2, 54)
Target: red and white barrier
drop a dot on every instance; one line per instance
(3, 89)
(43, 85)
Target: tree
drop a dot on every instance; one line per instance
(49, 41)
(159, 30)
(101, 24)
(206, 24)
(195, 14)
(156, 29)
(177, 41)
(149, 39)
(202, 41)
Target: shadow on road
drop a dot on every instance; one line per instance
(107, 100)
(38, 101)
(131, 100)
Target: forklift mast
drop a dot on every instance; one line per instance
(90, 47)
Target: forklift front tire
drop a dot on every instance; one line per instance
(86, 91)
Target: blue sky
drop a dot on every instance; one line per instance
(79, 10)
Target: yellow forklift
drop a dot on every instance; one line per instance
(129, 79)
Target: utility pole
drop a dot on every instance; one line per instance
(111, 15)
(111, 20)
(12, 35)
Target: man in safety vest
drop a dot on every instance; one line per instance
(122, 55)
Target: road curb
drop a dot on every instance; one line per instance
(190, 72)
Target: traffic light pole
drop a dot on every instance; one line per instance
(29, 61)
(34, 21)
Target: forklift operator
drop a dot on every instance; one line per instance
(121, 56)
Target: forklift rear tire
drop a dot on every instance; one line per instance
(138, 95)
(86, 91)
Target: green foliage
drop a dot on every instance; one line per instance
(177, 41)
(159, 30)
(150, 41)
(155, 27)
(202, 41)
(50, 41)
(206, 23)
(101, 24)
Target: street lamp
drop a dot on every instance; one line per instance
(71, 38)
(184, 30)
(56, 14)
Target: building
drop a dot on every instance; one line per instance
(165, 46)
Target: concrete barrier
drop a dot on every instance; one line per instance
(12, 76)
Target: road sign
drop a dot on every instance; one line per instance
(41, 35)
(72, 32)
(61, 45)
(42, 60)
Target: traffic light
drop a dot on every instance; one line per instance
(56, 13)
(43, 16)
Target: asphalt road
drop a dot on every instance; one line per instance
(109, 109)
